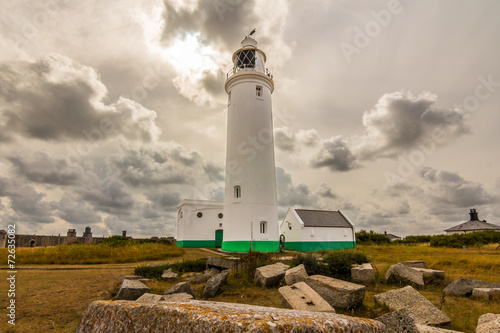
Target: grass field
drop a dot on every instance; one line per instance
(52, 298)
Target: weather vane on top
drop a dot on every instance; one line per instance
(251, 33)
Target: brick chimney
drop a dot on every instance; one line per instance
(473, 215)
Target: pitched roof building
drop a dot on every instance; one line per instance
(473, 225)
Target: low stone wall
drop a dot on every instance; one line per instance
(203, 316)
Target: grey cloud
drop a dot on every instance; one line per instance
(215, 173)
(41, 168)
(336, 155)
(451, 190)
(164, 200)
(57, 98)
(290, 195)
(326, 192)
(284, 139)
(110, 196)
(74, 211)
(309, 137)
(399, 121)
(214, 84)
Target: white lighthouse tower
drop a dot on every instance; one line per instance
(250, 203)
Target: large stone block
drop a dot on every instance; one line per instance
(431, 275)
(486, 293)
(214, 283)
(415, 263)
(338, 293)
(362, 274)
(302, 297)
(222, 264)
(147, 297)
(181, 287)
(270, 275)
(178, 297)
(430, 329)
(400, 321)
(169, 275)
(131, 290)
(295, 274)
(199, 316)
(423, 311)
(464, 287)
(403, 274)
(488, 323)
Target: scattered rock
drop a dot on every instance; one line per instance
(144, 280)
(464, 287)
(295, 274)
(178, 297)
(400, 321)
(486, 294)
(415, 263)
(169, 275)
(221, 264)
(181, 287)
(212, 271)
(200, 278)
(488, 323)
(430, 329)
(401, 273)
(423, 311)
(190, 275)
(147, 297)
(270, 275)
(213, 284)
(131, 290)
(431, 275)
(338, 293)
(302, 297)
(362, 274)
(203, 316)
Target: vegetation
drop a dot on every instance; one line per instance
(155, 271)
(414, 240)
(461, 240)
(370, 238)
(114, 251)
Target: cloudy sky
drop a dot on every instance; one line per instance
(111, 112)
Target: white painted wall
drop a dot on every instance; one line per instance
(191, 227)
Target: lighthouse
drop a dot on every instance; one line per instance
(250, 201)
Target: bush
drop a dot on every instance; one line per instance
(340, 262)
(181, 267)
(115, 241)
(370, 238)
(414, 240)
(461, 240)
(251, 261)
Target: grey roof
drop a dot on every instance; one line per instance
(392, 236)
(323, 218)
(474, 225)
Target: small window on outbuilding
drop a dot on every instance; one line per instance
(180, 214)
(263, 227)
(220, 215)
(258, 91)
(200, 215)
(237, 192)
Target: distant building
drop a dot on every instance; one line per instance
(88, 232)
(392, 237)
(473, 225)
(316, 230)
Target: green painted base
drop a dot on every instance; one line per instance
(319, 246)
(195, 243)
(244, 246)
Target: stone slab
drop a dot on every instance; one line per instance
(338, 293)
(486, 294)
(131, 290)
(415, 263)
(423, 311)
(131, 277)
(295, 274)
(213, 284)
(169, 275)
(488, 323)
(223, 263)
(147, 297)
(181, 287)
(464, 287)
(403, 274)
(430, 329)
(178, 297)
(400, 321)
(201, 316)
(270, 275)
(362, 274)
(431, 275)
(300, 296)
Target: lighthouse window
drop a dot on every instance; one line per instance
(237, 191)
(258, 91)
(263, 227)
(246, 59)
(200, 214)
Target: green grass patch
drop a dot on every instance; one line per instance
(102, 253)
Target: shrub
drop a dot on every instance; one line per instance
(155, 271)
(369, 238)
(115, 241)
(340, 262)
(461, 240)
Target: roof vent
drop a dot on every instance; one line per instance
(473, 215)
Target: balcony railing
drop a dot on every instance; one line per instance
(249, 68)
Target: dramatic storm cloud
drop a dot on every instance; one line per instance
(112, 112)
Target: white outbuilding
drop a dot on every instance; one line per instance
(316, 230)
